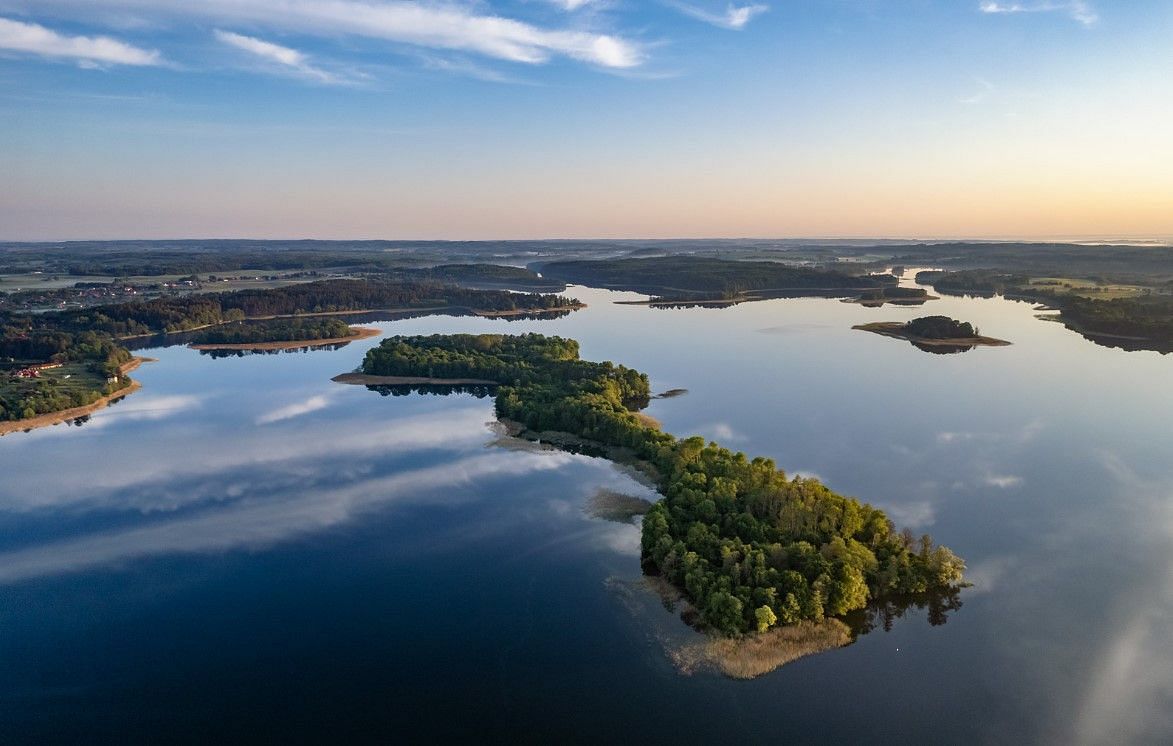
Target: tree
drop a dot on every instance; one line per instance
(765, 618)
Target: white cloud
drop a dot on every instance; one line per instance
(443, 26)
(88, 51)
(1078, 10)
(735, 17)
(284, 56)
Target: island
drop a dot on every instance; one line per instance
(770, 561)
(281, 334)
(934, 332)
(702, 281)
(896, 296)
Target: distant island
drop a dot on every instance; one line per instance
(693, 280)
(933, 331)
(280, 334)
(896, 296)
(753, 552)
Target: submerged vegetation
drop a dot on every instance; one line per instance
(750, 548)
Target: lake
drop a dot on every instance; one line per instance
(244, 550)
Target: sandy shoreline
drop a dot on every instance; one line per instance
(360, 332)
(54, 418)
(362, 379)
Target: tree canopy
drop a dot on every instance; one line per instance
(747, 545)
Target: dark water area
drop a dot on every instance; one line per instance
(246, 551)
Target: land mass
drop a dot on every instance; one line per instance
(285, 337)
(932, 331)
(56, 362)
(73, 413)
(695, 280)
(750, 549)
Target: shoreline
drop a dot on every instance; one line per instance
(356, 312)
(360, 332)
(363, 379)
(895, 329)
(56, 418)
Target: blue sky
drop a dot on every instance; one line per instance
(565, 118)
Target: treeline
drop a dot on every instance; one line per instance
(940, 327)
(1146, 317)
(673, 275)
(894, 293)
(98, 374)
(192, 311)
(90, 335)
(278, 330)
(479, 274)
(749, 547)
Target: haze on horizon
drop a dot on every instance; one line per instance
(585, 118)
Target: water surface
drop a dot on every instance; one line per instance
(244, 549)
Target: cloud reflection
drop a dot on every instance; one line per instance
(252, 524)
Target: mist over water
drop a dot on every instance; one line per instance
(244, 547)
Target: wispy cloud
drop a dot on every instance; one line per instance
(985, 88)
(297, 409)
(437, 26)
(288, 59)
(572, 5)
(734, 17)
(1077, 10)
(88, 51)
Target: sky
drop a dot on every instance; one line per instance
(494, 119)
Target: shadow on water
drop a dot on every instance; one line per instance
(218, 354)
(480, 391)
(942, 349)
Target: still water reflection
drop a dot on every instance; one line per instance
(244, 549)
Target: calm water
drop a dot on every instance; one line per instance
(244, 550)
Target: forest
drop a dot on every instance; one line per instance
(88, 339)
(1148, 316)
(678, 277)
(89, 369)
(327, 296)
(749, 547)
(940, 327)
(277, 330)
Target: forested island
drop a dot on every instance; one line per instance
(748, 547)
(934, 331)
(63, 360)
(897, 296)
(676, 279)
(279, 334)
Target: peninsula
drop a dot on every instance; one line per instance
(750, 549)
